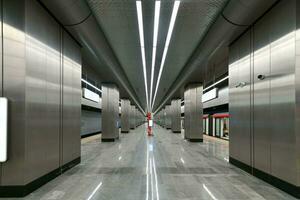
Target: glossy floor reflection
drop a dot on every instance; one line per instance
(163, 167)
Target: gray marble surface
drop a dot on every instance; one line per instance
(164, 167)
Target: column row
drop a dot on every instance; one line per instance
(116, 118)
(184, 116)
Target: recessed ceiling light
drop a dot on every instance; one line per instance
(155, 33)
(142, 43)
(168, 39)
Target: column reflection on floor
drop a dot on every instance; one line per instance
(162, 167)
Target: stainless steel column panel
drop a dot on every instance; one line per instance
(14, 75)
(71, 99)
(193, 112)
(32, 82)
(125, 115)
(297, 86)
(240, 99)
(136, 116)
(282, 90)
(176, 115)
(110, 112)
(132, 118)
(163, 118)
(234, 82)
(168, 116)
(244, 99)
(275, 94)
(42, 91)
(261, 95)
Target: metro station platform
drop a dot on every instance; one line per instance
(165, 167)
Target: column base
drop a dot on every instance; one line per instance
(195, 140)
(108, 139)
(124, 131)
(272, 180)
(90, 134)
(176, 131)
(24, 190)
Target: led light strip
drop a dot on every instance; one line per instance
(223, 79)
(155, 33)
(168, 39)
(91, 85)
(141, 32)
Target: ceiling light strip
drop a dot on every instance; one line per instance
(155, 34)
(216, 83)
(88, 83)
(168, 39)
(142, 43)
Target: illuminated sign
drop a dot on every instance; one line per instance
(88, 94)
(211, 94)
(3, 128)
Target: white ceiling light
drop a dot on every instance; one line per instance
(142, 43)
(168, 39)
(86, 82)
(155, 33)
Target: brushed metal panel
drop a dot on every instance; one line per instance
(297, 87)
(244, 99)
(71, 105)
(187, 116)
(176, 115)
(125, 115)
(233, 107)
(110, 111)
(283, 148)
(132, 118)
(261, 95)
(14, 89)
(168, 116)
(42, 92)
(193, 111)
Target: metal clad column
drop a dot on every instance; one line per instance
(110, 112)
(125, 115)
(193, 112)
(132, 119)
(176, 115)
(136, 116)
(163, 119)
(168, 117)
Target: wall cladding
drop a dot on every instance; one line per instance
(42, 80)
(264, 98)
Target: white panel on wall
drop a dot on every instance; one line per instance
(212, 94)
(3, 129)
(88, 94)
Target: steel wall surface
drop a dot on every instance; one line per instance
(264, 90)
(33, 69)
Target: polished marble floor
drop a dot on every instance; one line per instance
(164, 167)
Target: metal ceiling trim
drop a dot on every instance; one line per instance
(221, 33)
(87, 31)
